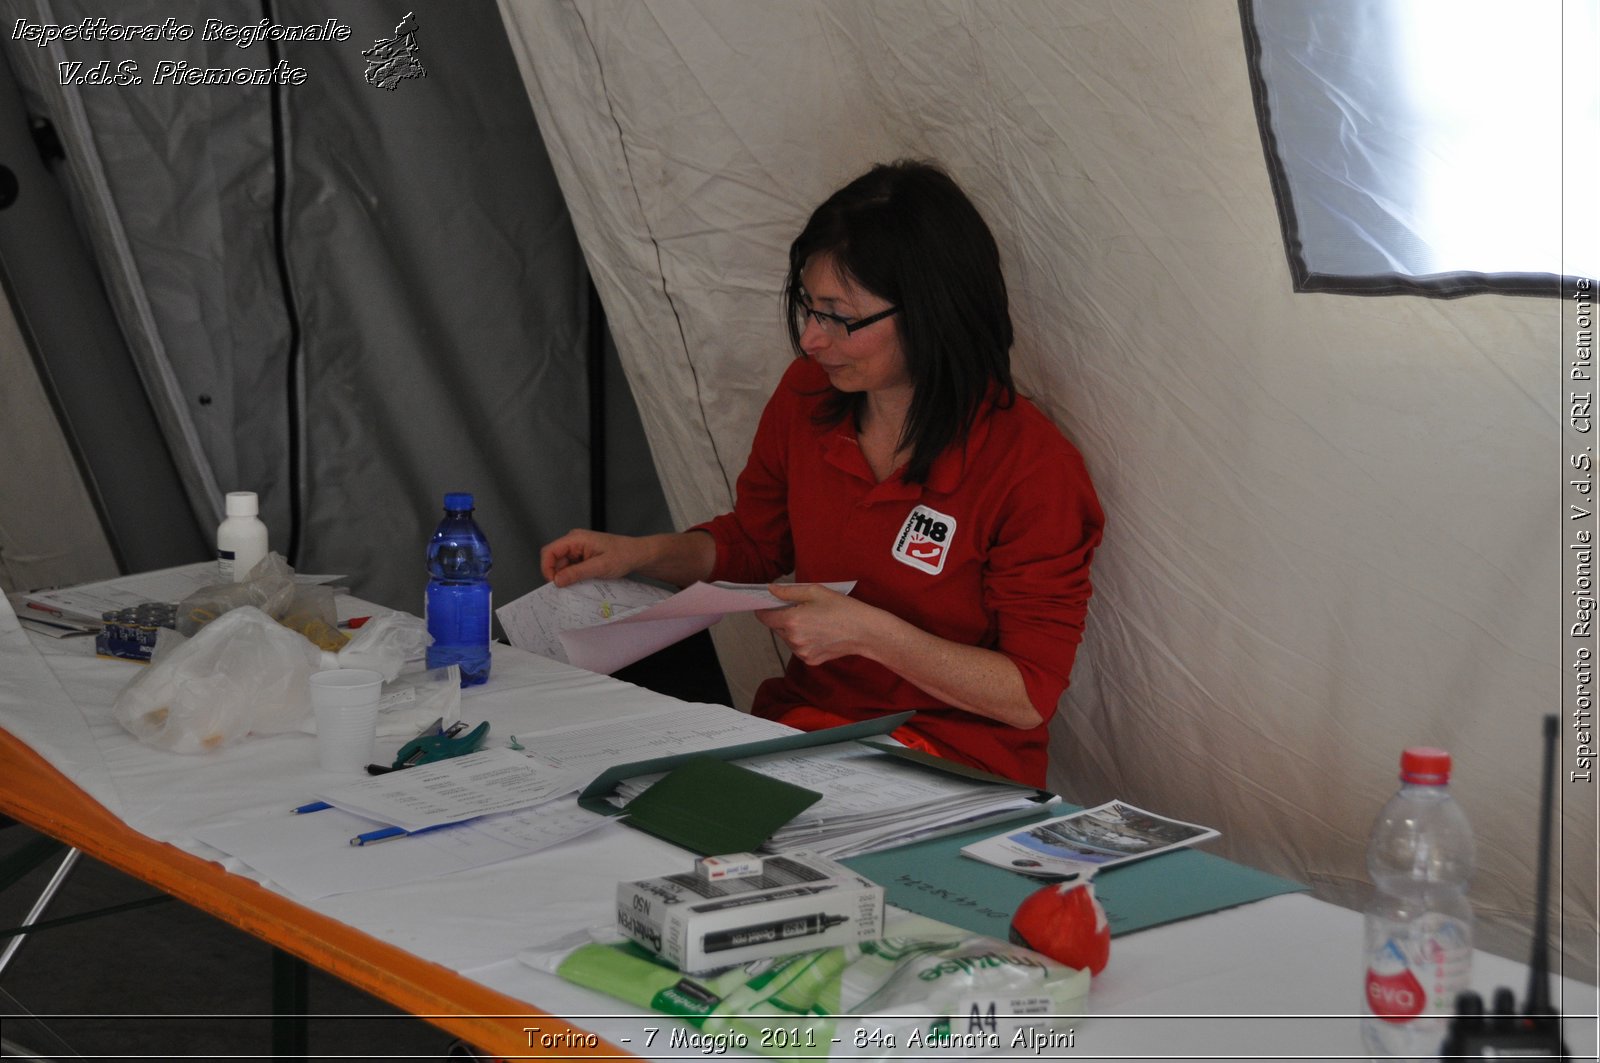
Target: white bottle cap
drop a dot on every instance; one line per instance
(242, 504)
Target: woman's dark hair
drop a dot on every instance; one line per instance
(905, 232)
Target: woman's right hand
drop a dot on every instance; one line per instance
(583, 554)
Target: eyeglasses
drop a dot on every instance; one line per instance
(838, 327)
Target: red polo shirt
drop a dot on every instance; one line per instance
(992, 551)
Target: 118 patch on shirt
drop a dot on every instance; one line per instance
(924, 539)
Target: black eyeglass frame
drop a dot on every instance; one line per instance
(850, 326)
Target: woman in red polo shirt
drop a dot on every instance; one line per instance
(897, 453)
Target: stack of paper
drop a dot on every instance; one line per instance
(455, 790)
(872, 801)
(504, 804)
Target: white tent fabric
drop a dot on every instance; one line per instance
(1332, 522)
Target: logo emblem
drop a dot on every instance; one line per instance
(392, 60)
(924, 539)
(1393, 992)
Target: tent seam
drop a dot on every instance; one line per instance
(154, 369)
(633, 185)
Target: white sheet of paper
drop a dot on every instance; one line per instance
(534, 622)
(619, 642)
(449, 791)
(311, 855)
(587, 749)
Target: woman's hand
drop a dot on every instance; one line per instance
(582, 554)
(823, 625)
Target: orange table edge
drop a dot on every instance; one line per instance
(35, 793)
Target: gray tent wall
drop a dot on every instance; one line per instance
(1333, 525)
(50, 532)
(73, 511)
(345, 298)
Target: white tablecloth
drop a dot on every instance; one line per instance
(1278, 978)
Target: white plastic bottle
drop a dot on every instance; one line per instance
(1419, 925)
(241, 538)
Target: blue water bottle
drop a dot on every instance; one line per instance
(459, 603)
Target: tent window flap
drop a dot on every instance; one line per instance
(1427, 148)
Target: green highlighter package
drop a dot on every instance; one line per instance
(925, 985)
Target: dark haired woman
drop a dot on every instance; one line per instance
(896, 452)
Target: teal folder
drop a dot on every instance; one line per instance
(932, 878)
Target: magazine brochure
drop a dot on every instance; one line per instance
(1081, 843)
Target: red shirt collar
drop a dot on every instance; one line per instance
(842, 449)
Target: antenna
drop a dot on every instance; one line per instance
(1537, 1031)
(1538, 1000)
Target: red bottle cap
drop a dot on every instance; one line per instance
(1425, 766)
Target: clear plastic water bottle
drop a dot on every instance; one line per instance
(1419, 925)
(459, 604)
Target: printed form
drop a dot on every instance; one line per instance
(310, 855)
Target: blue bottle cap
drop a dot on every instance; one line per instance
(456, 501)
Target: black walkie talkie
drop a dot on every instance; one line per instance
(1536, 1032)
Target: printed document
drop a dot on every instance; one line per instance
(603, 625)
(587, 749)
(311, 856)
(450, 791)
(1085, 842)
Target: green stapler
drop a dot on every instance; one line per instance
(436, 742)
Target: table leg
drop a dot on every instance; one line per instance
(62, 871)
(291, 999)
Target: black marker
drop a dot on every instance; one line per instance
(759, 898)
(781, 930)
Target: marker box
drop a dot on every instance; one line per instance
(734, 865)
(799, 902)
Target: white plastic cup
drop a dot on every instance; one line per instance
(346, 704)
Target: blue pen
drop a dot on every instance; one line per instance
(373, 837)
(315, 806)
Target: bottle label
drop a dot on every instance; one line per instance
(1393, 992)
(1419, 969)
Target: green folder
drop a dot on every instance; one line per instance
(932, 878)
(710, 806)
(593, 797)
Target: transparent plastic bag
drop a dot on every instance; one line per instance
(420, 698)
(310, 612)
(270, 589)
(306, 608)
(241, 673)
(384, 644)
